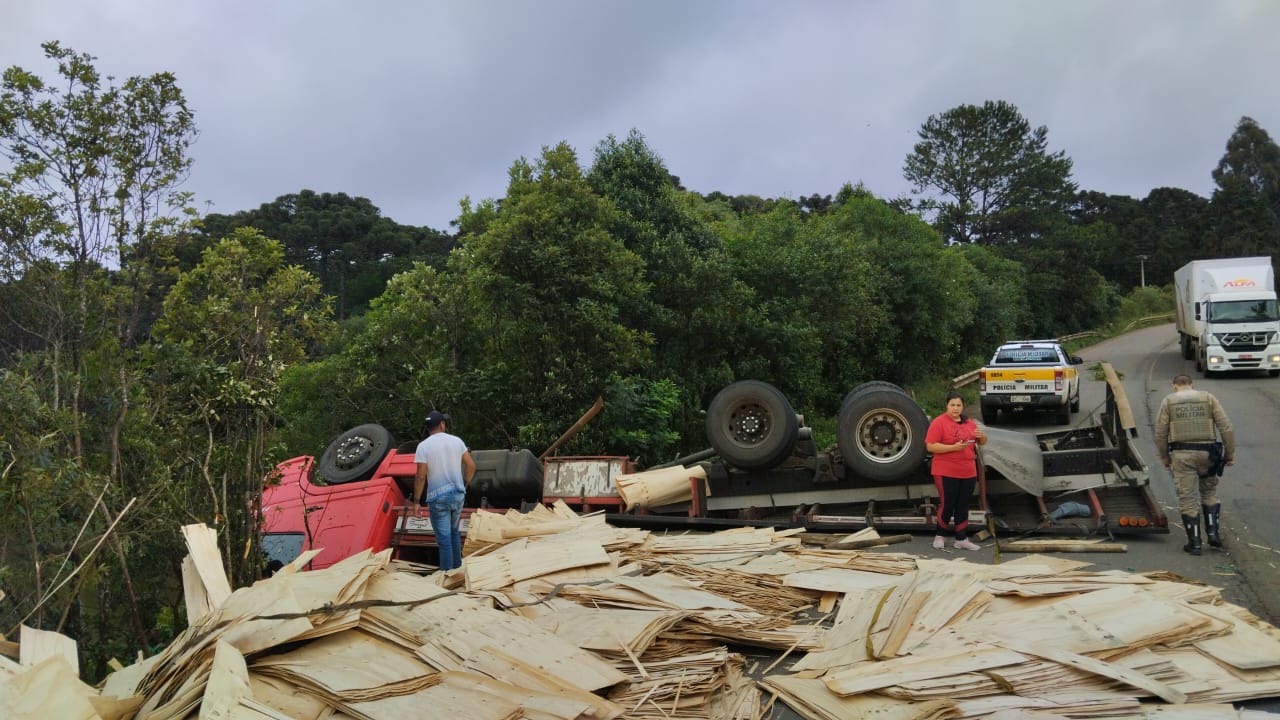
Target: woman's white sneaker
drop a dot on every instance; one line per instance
(939, 542)
(966, 544)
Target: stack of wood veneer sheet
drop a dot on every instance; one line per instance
(555, 615)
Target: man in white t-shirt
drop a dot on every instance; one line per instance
(444, 469)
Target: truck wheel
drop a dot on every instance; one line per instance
(1274, 373)
(880, 433)
(872, 385)
(1064, 414)
(990, 415)
(751, 425)
(1075, 401)
(355, 454)
(1187, 351)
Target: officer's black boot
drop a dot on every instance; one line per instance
(1212, 518)
(1193, 534)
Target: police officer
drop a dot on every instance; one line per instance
(1187, 429)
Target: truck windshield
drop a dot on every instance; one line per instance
(282, 548)
(1244, 311)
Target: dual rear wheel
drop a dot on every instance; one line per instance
(880, 429)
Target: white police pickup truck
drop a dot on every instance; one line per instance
(1028, 375)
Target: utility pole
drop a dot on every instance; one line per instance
(1142, 269)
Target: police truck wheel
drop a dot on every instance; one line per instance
(355, 454)
(990, 415)
(880, 432)
(1064, 414)
(751, 425)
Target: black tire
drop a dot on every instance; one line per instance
(990, 415)
(871, 385)
(751, 425)
(1075, 401)
(1187, 351)
(1200, 364)
(880, 432)
(355, 454)
(1274, 373)
(1064, 414)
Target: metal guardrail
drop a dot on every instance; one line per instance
(1145, 320)
(972, 375)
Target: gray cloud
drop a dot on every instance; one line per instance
(416, 105)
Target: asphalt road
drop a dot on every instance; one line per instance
(1248, 569)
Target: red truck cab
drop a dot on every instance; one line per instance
(341, 520)
(363, 504)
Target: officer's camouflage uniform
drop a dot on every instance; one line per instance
(1189, 422)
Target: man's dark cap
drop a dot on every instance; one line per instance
(435, 417)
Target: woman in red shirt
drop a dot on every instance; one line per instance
(950, 438)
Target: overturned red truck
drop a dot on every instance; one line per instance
(762, 469)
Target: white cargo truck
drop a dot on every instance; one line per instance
(1227, 314)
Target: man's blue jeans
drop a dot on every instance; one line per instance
(446, 514)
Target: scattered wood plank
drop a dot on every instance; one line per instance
(35, 646)
(655, 488)
(202, 542)
(563, 616)
(869, 542)
(1069, 546)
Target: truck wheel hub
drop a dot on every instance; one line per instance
(352, 452)
(881, 434)
(749, 425)
(883, 437)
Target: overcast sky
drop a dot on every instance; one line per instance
(416, 104)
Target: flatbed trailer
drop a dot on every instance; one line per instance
(1023, 478)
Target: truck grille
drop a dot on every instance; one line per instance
(1244, 342)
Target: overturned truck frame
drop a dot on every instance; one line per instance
(763, 469)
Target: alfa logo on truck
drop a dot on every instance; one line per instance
(1239, 283)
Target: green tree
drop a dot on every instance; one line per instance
(1064, 293)
(812, 311)
(914, 278)
(1129, 233)
(1246, 203)
(401, 359)
(89, 208)
(1181, 224)
(988, 174)
(94, 173)
(38, 481)
(229, 329)
(1001, 307)
(694, 298)
(343, 241)
(516, 337)
(554, 287)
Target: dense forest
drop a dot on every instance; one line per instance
(156, 363)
